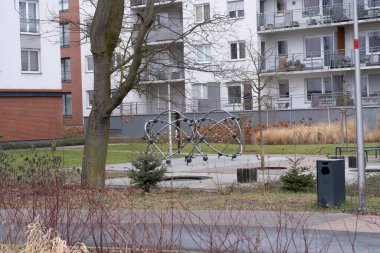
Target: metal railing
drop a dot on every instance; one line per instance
(143, 2)
(163, 74)
(320, 60)
(317, 16)
(294, 101)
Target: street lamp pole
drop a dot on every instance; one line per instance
(359, 114)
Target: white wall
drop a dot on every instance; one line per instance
(10, 49)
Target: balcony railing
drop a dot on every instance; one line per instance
(320, 60)
(295, 101)
(317, 16)
(163, 74)
(143, 2)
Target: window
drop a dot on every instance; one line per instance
(30, 60)
(28, 16)
(313, 47)
(234, 94)
(162, 19)
(64, 35)
(237, 50)
(235, 9)
(65, 70)
(283, 87)
(311, 7)
(202, 13)
(89, 63)
(67, 107)
(313, 86)
(282, 48)
(281, 5)
(374, 42)
(63, 5)
(203, 54)
(325, 85)
(199, 91)
(90, 96)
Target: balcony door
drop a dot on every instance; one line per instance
(328, 49)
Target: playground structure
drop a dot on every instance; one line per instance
(163, 129)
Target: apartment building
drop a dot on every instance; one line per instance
(303, 47)
(30, 85)
(312, 56)
(71, 65)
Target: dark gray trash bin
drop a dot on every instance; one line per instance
(331, 184)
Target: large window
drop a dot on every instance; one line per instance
(89, 63)
(313, 47)
(282, 46)
(235, 9)
(283, 87)
(28, 16)
(311, 7)
(65, 70)
(202, 13)
(30, 60)
(64, 35)
(281, 5)
(63, 5)
(234, 94)
(203, 54)
(237, 50)
(374, 42)
(325, 85)
(67, 107)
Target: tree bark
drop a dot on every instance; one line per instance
(259, 109)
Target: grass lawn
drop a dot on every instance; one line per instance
(120, 153)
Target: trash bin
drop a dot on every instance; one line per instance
(246, 175)
(331, 183)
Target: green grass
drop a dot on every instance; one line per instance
(121, 153)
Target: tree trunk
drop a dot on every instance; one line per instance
(95, 151)
(262, 155)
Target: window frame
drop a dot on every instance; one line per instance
(66, 71)
(65, 108)
(370, 49)
(27, 20)
(38, 61)
(87, 57)
(311, 56)
(63, 4)
(205, 18)
(235, 10)
(284, 6)
(90, 97)
(235, 100)
(239, 51)
(202, 49)
(63, 38)
(286, 48)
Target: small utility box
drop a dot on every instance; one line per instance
(331, 183)
(246, 175)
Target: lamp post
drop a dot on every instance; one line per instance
(359, 114)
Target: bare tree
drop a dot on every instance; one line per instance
(114, 32)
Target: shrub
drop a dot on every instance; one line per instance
(298, 179)
(147, 172)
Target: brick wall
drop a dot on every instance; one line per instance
(73, 51)
(31, 118)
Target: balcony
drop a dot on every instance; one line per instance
(142, 3)
(167, 31)
(322, 61)
(317, 16)
(339, 99)
(163, 74)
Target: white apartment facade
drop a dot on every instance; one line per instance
(30, 85)
(307, 46)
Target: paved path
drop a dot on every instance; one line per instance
(222, 171)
